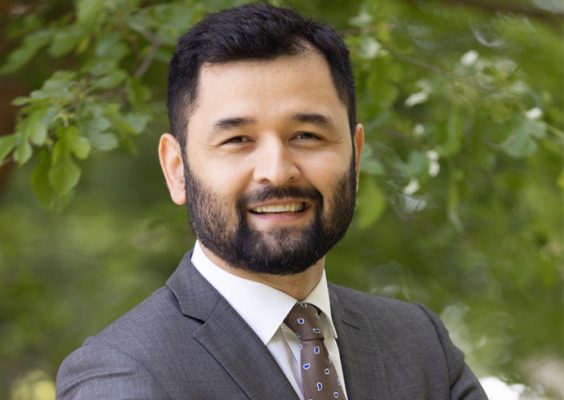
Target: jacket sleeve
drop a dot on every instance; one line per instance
(96, 372)
(463, 383)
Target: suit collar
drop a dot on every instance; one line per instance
(365, 375)
(246, 359)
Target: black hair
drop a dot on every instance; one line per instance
(251, 32)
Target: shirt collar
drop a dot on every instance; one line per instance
(263, 307)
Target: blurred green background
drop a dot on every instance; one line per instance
(461, 199)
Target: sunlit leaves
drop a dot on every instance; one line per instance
(57, 87)
(23, 151)
(26, 51)
(7, 144)
(423, 89)
(87, 10)
(453, 133)
(67, 39)
(166, 21)
(111, 46)
(524, 133)
(70, 114)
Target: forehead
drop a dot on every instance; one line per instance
(283, 84)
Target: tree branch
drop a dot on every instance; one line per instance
(150, 56)
(508, 8)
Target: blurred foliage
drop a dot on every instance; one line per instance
(461, 192)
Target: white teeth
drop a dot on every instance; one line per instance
(280, 208)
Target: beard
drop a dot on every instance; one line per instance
(281, 250)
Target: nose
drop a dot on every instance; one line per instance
(275, 164)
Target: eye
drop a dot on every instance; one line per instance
(237, 140)
(307, 136)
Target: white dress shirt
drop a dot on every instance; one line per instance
(264, 309)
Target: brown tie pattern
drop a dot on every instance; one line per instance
(319, 377)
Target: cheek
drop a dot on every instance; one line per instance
(227, 181)
(326, 177)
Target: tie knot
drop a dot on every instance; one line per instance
(304, 320)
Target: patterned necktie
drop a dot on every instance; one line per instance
(319, 376)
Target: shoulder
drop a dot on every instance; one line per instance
(110, 364)
(379, 308)
(411, 339)
(158, 316)
(395, 322)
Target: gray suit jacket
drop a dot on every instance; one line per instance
(186, 342)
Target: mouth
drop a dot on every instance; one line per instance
(280, 208)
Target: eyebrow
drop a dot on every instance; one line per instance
(311, 118)
(314, 118)
(231, 123)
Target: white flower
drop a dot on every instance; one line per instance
(412, 187)
(469, 58)
(362, 19)
(434, 166)
(416, 98)
(418, 130)
(534, 113)
(370, 48)
(421, 96)
(432, 155)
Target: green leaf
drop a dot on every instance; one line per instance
(40, 179)
(94, 124)
(417, 164)
(137, 122)
(454, 134)
(20, 101)
(23, 151)
(66, 39)
(35, 127)
(131, 124)
(111, 47)
(64, 174)
(138, 94)
(88, 10)
(98, 67)
(7, 144)
(103, 141)
(498, 111)
(25, 52)
(519, 145)
(381, 83)
(73, 142)
(56, 87)
(111, 80)
(371, 202)
(536, 128)
(521, 142)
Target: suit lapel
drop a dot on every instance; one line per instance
(364, 371)
(227, 337)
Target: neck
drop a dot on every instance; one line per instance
(299, 285)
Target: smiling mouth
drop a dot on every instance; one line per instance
(294, 207)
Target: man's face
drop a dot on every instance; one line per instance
(271, 172)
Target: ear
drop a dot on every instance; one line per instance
(170, 156)
(358, 144)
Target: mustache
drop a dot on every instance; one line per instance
(282, 192)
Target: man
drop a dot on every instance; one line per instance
(266, 153)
